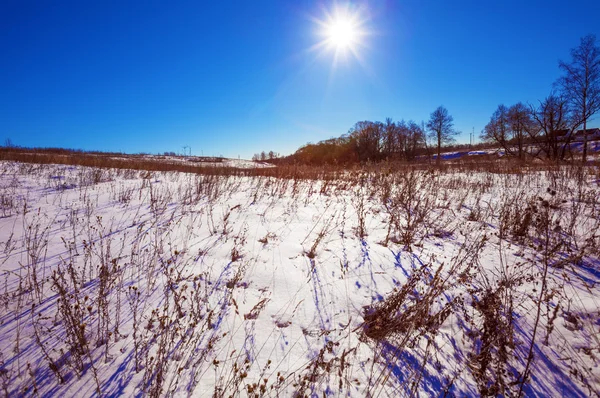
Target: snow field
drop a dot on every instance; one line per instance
(119, 282)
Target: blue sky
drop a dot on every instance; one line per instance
(233, 78)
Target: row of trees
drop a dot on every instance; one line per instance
(549, 128)
(265, 156)
(369, 141)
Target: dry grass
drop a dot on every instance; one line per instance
(152, 278)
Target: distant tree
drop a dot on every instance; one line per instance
(552, 118)
(255, 157)
(401, 139)
(441, 128)
(415, 139)
(401, 133)
(521, 123)
(367, 138)
(410, 137)
(508, 128)
(498, 128)
(8, 143)
(271, 155)
(391, 138)
(581, 82)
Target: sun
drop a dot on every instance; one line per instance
(342, 33)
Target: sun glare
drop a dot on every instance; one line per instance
(342, 34)
(343, 31)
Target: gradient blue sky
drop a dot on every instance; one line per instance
(237, 77)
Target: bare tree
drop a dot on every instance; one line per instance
(552, 117)
(415, 138)
(402, 139)
(441, 128)
(368, 140)
(390, 147)
(498, 128)
(508, 128)
(581, 82)
(521, 124)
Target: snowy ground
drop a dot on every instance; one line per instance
(575, 147)
(119, 282)
(210, 162)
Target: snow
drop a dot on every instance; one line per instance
(233, 285)
(576, 147)
(211, 161)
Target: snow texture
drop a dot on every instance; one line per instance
(121, 282)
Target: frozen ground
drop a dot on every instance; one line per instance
(210, 161)
(119, 282)
(575, 147)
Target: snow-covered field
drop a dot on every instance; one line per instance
(575, 148)
(120, 282)
(208, 161)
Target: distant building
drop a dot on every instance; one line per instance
(592, 134)
(561, 135)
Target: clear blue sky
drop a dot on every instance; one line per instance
(237, 77)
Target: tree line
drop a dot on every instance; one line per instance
(548, 128)
(369, 141)
(544, 130)
(265, 156)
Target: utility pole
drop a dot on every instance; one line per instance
(472, 138)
